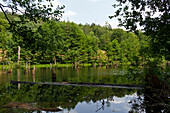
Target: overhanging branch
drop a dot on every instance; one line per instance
(1, 6)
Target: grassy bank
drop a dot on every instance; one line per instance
(41, 65)
(58, 65)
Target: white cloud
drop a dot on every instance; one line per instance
(92, 0)
(69, 13)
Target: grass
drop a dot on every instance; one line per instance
(40, 65)
(23, 65)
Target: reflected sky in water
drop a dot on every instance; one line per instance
(119, 105)
(115, 104)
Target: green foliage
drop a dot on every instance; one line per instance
(22, 24)
(45, 95)
(34, 10)
(130, 47)
(118, 34)
(152, 15)
(66, 42)
(5, 39)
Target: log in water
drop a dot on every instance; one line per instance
(128, 86)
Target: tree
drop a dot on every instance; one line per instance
(105, 39)
(116, 49)
(130, 48)
(48, 40)
(30, 10)
(74, 41)
(5, 38)
(86, 29)
(145, 49)
(119, 34)
(92, 47)
(30, 14)
(107, 26)
(97, 29)
(152, 15)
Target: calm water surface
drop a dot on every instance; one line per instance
(72, 99)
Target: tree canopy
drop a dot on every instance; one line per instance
(32, 9)
(56, 41)
(152, 15)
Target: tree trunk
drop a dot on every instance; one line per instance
(19, 54)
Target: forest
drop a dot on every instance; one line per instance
(37, 36)
(68, 42)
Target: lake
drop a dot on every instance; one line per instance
(38, 98)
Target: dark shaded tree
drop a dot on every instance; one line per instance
(152, 15)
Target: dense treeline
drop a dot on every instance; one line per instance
(67, 42)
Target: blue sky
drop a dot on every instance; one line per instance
(89, 11)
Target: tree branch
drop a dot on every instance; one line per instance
(1, 6)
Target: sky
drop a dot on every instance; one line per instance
(92, 11)
(89, 11)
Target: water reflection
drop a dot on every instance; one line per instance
(53, 75)
(18, 78)
(156, 99)
(82, 99)
(70, 99)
